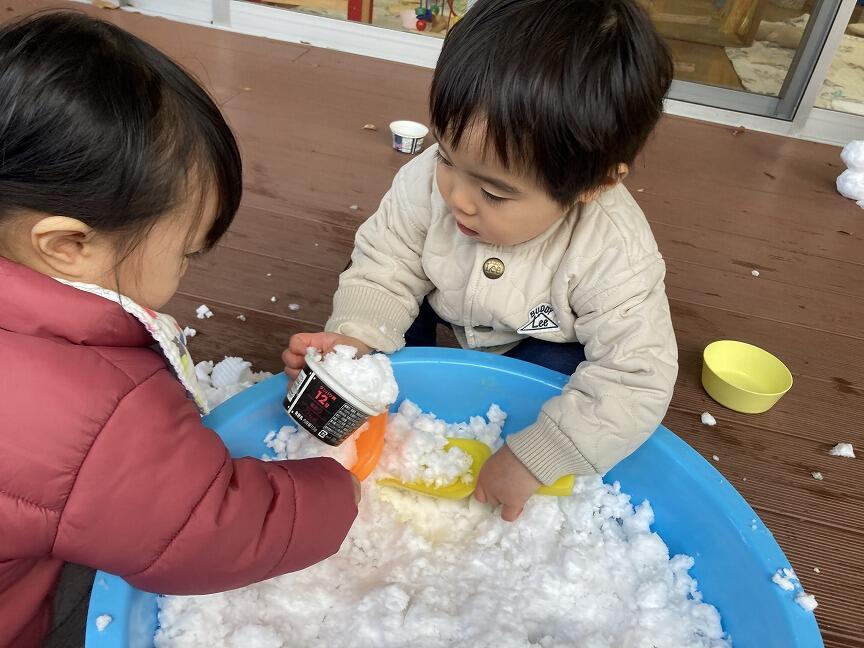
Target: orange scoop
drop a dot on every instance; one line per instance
(370, 442)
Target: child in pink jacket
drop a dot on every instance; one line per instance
(117, 167)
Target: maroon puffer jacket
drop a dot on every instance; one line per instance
(104, 462)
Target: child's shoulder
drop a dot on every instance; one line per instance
(415, 181)
(615, 220)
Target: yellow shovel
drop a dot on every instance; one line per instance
(479, 453)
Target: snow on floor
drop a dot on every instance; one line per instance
(843, 450)
(414, 571)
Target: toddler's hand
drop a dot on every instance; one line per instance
(504, 480)
(294, 356)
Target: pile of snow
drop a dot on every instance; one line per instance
(415, 445)
(585, 570)
(225, 379)
(787, 580)
(369, 377)
(415, 571)
(293, 443)
(203, 312)
(850, 183)
(708, 419)
(103, 621)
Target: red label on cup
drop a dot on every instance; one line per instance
(321, 411)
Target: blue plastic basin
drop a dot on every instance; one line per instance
(697, 511)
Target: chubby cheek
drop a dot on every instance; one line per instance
(444, 180)
(162, 284)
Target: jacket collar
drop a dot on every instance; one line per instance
(36, 305)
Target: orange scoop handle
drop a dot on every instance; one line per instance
(370, 442)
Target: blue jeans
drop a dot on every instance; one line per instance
(562, 357)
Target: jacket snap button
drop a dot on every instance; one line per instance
(493, 268)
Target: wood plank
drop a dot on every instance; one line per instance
(732, 252)
(837, 361)
(778, 469)
(813, 409)
(747, 160)
(740, 292)
(838, 587)
(240, 279)
(259, 339)
(776, 226)
(291, 238)
(758, 213)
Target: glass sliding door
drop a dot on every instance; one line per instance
(843, 88)
(752, 56)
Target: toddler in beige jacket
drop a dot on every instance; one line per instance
(515, 230)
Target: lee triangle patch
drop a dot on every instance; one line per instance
(540, 318)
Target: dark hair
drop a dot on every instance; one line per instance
(564, 89)
(98, 125)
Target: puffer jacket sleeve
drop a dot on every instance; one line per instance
(379, 294)
(617, 398)
(158, 501)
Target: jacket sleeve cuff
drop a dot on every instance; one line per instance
(547, 452)
(373, 316)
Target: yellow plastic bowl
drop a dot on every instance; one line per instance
(744, 377)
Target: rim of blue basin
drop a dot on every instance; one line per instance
(694, 480)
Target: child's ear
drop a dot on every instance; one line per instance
(615, 176)
(66, 246)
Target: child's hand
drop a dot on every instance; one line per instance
(294, 356)
(504, 480)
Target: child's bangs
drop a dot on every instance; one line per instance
(457, 117)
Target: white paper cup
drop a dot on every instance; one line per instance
(324, 407)
(408, 136)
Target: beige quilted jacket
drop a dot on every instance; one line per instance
(595, 277)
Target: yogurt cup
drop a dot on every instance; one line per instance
(324, 407)
(408, 136)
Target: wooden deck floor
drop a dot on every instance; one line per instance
(721, 202)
